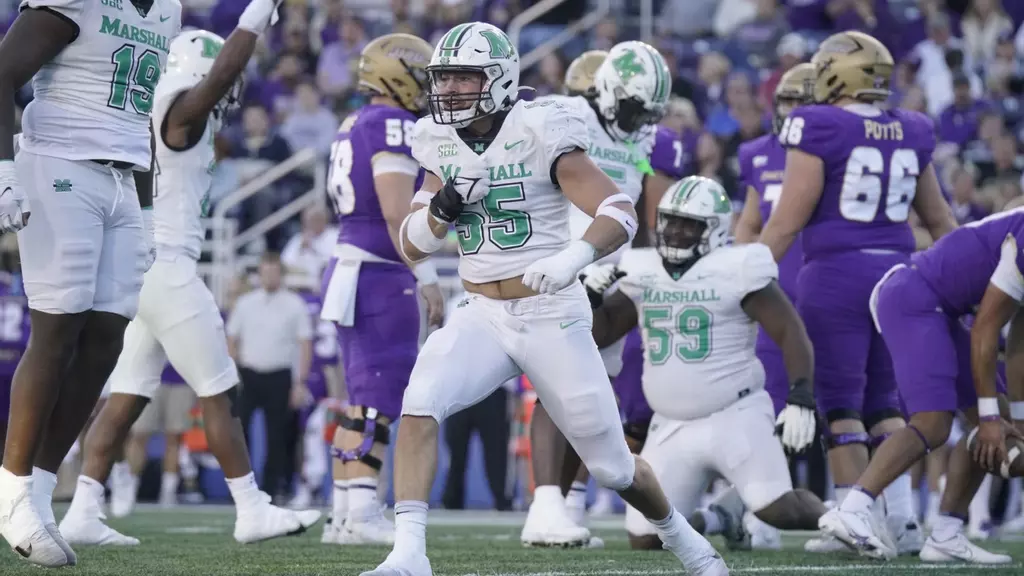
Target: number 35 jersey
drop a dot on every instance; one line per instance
(872, 160)
(93, 100)
(698, 342)
(524, 216)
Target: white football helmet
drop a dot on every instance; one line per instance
(190, 59)
(694, 217)
(633, 85)
(480, 48)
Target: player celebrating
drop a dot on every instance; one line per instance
(917, 309)
(510, 170)
(85, 156)
(627, 98)
(851, 197)
(369, 291)
(178, 318)
(693, 291)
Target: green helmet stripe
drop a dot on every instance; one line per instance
(660, 73)
(450, 41)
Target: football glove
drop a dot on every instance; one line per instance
(797, 423)
(14, 206)
(258, 15)
(551, 274)
(471, 189)
(447, 204)
(597, 279)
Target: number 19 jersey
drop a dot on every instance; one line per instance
(698, 341)
(93, 100)
(872, 159)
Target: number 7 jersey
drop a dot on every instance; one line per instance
(93, 100)
(872, 160)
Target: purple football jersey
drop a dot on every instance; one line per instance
(871, 168)
(367, 132)
(14, 330)
(668, 155)
(170, 376)
(958, 267)
(325, 346)
(762, 161)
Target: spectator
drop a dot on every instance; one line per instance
(990, 127)
(758, 36)
(551, 73)
(935, 55)
(1006, 163)
(965, 202)
(1005, 63)
(983, 24)
(336, 72)
(751, 122)
(712, 72)
(277, 92)
(958, 123)
(311, 248)
(689, 19)
(166, 413)
(792, 50)
(731, 15)
(711, 164)
(310, 124)
(296, 43)
(269, 335)
(914, 99)
(739, 93)
(325, 24)
(606, 35)
(492, 421)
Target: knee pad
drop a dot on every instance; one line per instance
(833, 440)
(373, 431)
(882, 415)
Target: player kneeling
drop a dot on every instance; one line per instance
(699, 303)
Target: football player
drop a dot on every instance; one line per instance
(942, 368)
(505, 171)
(853, 174)
(621, 104)
(698, 302)
(369, 290)
(83, 173)
(178, 319)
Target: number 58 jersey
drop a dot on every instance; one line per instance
(93, 100)
(872, 160)
(698, 341)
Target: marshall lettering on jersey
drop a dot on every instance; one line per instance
(94, 99)
(372, 130)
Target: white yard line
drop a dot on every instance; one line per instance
(778, 569)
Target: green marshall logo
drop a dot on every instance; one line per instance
(652, 296)
(449, 171)
(62, 185)
(447, 150)
(509, 172)
(211, 47)
(114, 27)
(627, 66)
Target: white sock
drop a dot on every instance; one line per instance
(12, 486)
(169, 484)
(681, 538)
(120, 470)
(899, 501)
(946, 527)
(245, 492)
(712, 522)
(978, 512)
(411, 527)
(362, 497)
(857, 501)
(547, 496)
(339, 507)
(88, 499)
(934, 501)
(841, 493)
(43, 485)
(576, 502)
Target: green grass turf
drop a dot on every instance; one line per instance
(197, 541)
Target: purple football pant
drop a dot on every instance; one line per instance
(931, 350)
(853, 370)
(379, 350)
(776, 380)
(5, 396)
(628, 384)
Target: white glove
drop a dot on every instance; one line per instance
(14, 206)
(258, 15)
(795, 427)
(147, 230)
(471, 188)
(551, 274)
(598, 278)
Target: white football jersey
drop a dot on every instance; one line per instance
(621, 161)
(698, 341)
(181, 191)
(93, 100)
(524, 216)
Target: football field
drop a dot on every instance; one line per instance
(196, 541)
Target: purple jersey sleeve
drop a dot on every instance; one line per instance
(668, 155)
(812, 129)
(745, 157)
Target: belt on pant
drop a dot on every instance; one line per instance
(119, 164)
(742, 393)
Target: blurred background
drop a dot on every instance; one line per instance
(959, 61)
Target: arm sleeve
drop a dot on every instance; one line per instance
(389, 163)
(1007, 276)
(758, 268)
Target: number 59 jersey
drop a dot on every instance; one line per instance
(93, 100)
(872, 160)
(698, 342)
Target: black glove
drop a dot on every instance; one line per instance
(599, 283)
(801, 394)
(447, 204)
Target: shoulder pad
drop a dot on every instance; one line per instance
(554, 127)
(811, 129)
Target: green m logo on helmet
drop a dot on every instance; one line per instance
(501, 46)
(211, 48)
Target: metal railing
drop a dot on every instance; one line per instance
(227, 241)
(574, 29)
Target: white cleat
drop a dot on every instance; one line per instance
(372, 529)
(552, 527)
(960, 549)
(907, 534)
(402, 565)
(730, 509)
(268, 521)
(91, 531)
(23, 529)
(860, 531)
(303, 498)
(825, 544)
(54, 533)
(709, 566)
(762, 535)
(124, 486)
(1015, 526)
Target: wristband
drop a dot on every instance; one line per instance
(1017, 410)
(988, 407)
(425, 272)
(417, 230)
